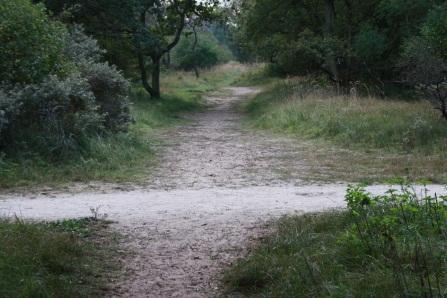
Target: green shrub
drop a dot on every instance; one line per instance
(404, 232)
(207, 52)
(53, 117)
(307, 47)
(108, 85)
(31, 45)
(55, 91)
(82, 48)
(110, 90)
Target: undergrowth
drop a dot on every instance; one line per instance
(383, 246)
(56, 259)
(127, 156)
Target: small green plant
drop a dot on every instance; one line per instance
(403, 231)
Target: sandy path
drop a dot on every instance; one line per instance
(216, 186)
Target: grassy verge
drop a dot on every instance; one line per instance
(58, 259)
(256, 75)
(127, 156)
(302, 107)
(410, 135)
(381, 247)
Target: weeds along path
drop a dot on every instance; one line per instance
(216, 187)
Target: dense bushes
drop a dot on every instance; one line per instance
(110, 90)
(51, 116)
(55, 90)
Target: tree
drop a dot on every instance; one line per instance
(55, 90)
(30, 45)
(348, 40)
(152, 27)
(199, 49)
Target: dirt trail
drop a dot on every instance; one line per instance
(216, 186)
(215, 151)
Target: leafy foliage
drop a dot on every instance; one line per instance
(405, 232)
(424, 63)
(55, 91)
(110, 90)
(435, 29)
(204, 53)
(31, 46)
(52, 116)
(347, 40)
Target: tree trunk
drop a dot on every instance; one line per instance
(349, 16)
(143, 73)
(196, 71)
(167, 59)
(194, 46)
(329, 33)
(156, 77)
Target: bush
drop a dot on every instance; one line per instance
(405, 233)
(207, 52)
(82, 48)
(31, 46)
(307, 47)
(111, 91)
(55, 90)
(108, 85)
(51, 117)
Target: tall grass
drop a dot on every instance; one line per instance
(386, 246)
(126, 156)
(306, 107)
(256, 75)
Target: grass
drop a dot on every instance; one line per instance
(256, 75)
(303, 108)
(381, 247)
(127, 156)
(407, 138)
(58, 259)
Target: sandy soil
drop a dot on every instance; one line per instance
(216, 187)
